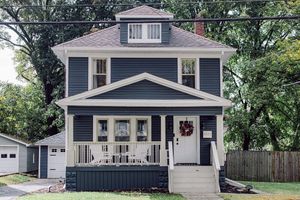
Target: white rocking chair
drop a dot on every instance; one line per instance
(99, 155)
(139, 155)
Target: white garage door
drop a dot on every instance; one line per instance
(9, 159)
(56, 162)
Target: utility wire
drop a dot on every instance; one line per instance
(207, 20)
(149, 4)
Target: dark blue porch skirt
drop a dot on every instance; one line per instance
(108, 178)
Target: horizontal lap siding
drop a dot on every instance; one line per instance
(122, 68)
(169, 129)
(83, 128)
(207, 123)
(210, 75)
(118, 178)
(165, 33)
(86, 110)
(144, 90)
(78, 75)
(44, 162)
(155, 128)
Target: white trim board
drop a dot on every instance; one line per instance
(206, 99)
(13, 139)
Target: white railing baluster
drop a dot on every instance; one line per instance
(171, 166)
(116, 153)
(215, 162)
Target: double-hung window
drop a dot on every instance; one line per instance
(188, 72)
(122, 130)
(99, 72)
(142, 130)
(144, 33)
(102, 130)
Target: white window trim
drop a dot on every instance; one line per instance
(91, 71)
(197, 71)
(144, 34)
(111, 126)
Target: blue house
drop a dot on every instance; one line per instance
(144, 106)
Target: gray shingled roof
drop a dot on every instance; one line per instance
(144, 10)
(110, 37)
(54, 140)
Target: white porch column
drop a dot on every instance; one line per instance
(220, 139)
(163, 153)
(70, 141)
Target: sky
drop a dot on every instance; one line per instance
(7, 65)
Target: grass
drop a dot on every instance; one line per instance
(14, 179)
(277, 191)
(102, 195)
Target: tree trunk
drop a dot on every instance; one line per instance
(246, 140)
(52, 129)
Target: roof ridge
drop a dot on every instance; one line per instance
(157, 11)
(202, 37)
(87, 35)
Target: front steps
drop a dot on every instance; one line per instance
(193, 179)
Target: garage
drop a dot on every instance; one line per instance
(52, 159)
(9, 159)
(56, 160)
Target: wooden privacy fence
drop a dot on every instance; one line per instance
(269, 166)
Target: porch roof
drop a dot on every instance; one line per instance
(198, 98)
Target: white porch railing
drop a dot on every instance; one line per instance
(171, 166)
(117, 153)
(215, 162)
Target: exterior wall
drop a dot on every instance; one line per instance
(169, 129)
(83, 128)
(32, 151)
(165, 34)
(22, 152)
(206, 123)
(155, 128)
(78, 75)
(88, 111)
(116, 178)
(44, 162)
(144, 90)
(210, 75)
(122, 68)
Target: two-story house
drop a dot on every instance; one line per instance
(144, 106)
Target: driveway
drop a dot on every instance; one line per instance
(11, 192)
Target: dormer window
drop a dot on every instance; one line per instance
(99, 72)
(144, 33)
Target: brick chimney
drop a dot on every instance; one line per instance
(199, 26)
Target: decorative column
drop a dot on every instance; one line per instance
(163, 153)
(220, 139)
(70, 141)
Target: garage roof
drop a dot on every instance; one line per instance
(54, 140)
(12, 138)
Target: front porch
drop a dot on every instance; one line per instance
(131, 160)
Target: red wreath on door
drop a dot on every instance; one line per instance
(186, 129)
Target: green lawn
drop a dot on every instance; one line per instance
(102, 195)
(278, 191)
(14, 179)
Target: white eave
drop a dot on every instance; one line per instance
(15, 140)
(205, 99)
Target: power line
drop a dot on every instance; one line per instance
(162, 4)
(207, 20)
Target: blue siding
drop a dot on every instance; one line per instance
(122, 68)
(88, 111)
(144, 90)
(83, 128)
(222, 179)
(78, 75)
(124, 33)
(44, 162)
(116, 178)
(155, 128)
(207, 123)
(166, 33)
(210, 75)
(169, 129)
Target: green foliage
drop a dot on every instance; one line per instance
(22, 111)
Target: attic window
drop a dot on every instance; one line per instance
(144, 33)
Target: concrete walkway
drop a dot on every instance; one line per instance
(11, 192)
(199, 196)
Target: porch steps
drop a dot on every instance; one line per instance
(193, 179)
